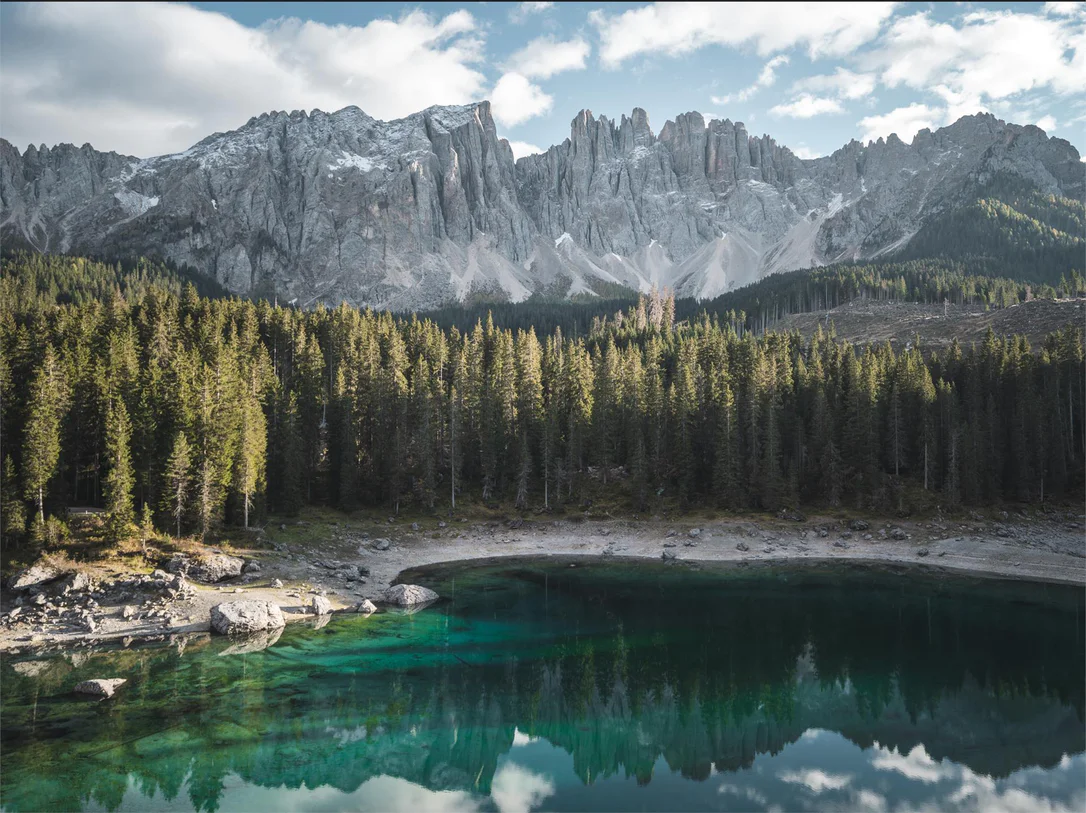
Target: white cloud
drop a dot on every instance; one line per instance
(523, 11)
(516, 789)
(816, 780)
(990, 55)
(824, 29)
(543, 57)
(520, 149)
(1046, 123)
(807, 106)
(1065, 9)
(514, 100)
(766, 78)
(843, 83)
(806, 153)
(905, 121)
(917, 764)
(155, 78)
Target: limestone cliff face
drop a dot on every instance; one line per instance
(432, 207)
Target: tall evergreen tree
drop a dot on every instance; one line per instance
(177, 479)
(119, 479)
(41, 445)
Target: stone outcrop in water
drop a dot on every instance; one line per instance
(409, 595)
(246, 616)
(319, 605)
(415, 212)
(100, 687)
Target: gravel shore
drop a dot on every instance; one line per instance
(1041, 548)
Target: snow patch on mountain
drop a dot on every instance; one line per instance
(133, 203)
(360, 162)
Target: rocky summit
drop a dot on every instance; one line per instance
(408, 214)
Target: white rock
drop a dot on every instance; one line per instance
(246, 616)
(406, 595)
(33, 576)
(319, 605)
(100, 687)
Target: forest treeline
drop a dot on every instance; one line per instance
(1011, 230)
(759, 306)
(62, 279)
(187, 412)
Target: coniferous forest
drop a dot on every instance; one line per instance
(168, 408)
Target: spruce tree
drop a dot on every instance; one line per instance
(119, 479)
(177, 479)
(252, 448)
(41, 444)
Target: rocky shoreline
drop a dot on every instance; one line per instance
(349, 569)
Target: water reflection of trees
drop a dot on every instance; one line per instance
(702, 683)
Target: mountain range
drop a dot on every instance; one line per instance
(412, 213)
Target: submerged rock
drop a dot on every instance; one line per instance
(31, 669)
(252, 642)
(319, 605)
(233, 617)
(100, 687)
(406, 595)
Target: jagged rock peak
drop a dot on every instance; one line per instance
(415, 211)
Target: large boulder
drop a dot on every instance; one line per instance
(34, 576)
(75, 583)
(100, 687)
(407, 595)
(214, 567)
(232, 617)
(208, 568)
(319, 605)
(366, 607)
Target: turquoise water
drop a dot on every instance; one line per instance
(616, 686)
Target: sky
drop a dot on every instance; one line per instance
(155, 78)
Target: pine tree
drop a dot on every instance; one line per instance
(119, 479)
(12, 508)
(251, 454)
(41, 445)
(177, 478)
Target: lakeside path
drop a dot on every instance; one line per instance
(1050, 550)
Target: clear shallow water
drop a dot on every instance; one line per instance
(614, 686)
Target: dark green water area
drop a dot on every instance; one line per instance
(537, 685)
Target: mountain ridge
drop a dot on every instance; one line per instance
(432, 207)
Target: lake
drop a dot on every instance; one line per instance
(555, 684)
